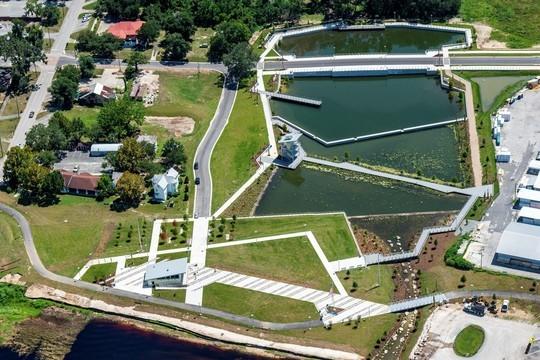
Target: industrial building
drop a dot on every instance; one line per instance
(528, 215)
(169, 273)
(519, 247)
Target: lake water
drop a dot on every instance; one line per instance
(307, 190)
(389, 40)
(104, 339)
(491, 87)
(355, 106)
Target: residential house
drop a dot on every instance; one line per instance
(95, 94)
(127, 31)
(80, 184)
(165, 185)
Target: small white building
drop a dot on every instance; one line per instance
(103, 149)
(165, 185)
(503, 155)
(169, 273)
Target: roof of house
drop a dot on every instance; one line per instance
(151, 139)
(528, 194)
(172, 173)
(82, 181)
(166, 268)
(159, 180)
(125, 29)
(529, 212)
(105, 147)
(520, 240)
(96, 88)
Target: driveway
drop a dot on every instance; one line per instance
(504, 339)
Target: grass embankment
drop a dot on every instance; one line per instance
(200, 41)
(244, 137)
(292, 261)
(257, 305)
(14, 308)
(88, 115)
(12, 254)
(369, 285)
(98, 273)
(331, 231)
(515, 22)
(483, 121)
(361, 339)
(174, 295)
(90, 5)
(7, 128)
(469, 341)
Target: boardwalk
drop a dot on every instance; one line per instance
(291, 98)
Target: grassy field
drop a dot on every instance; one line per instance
(367, 280)
(201, 36)
(361, 339)
(99, 272)
(183, 233)
(483, 122)
(7, 128)
(244, 137)
(88, 115)
(515, 22)
(257, 305)
(12, 255)
(292, 261)
(332, 231)
(130, 237)
(174, 295)
(469, 341)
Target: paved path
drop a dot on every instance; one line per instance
(471, 126)
(154, 241)
(479, 191)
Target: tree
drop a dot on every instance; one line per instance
(130, 156)
(119, 119)
(33, 8)
(175, 47)
(173, 152)
(148, 33)
(137, 58)
(239, 61)
(228, 34)
(87, 66)
(179, 22)
(16, 166)
(100, 46)
(130, 189)
(53, 184)
(65, 87)
(50, 16)
(105, 187)
(463, 279)
(46, 158)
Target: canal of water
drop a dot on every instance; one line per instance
(313, 189)
(355, 106)
(389, 40)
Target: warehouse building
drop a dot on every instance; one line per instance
(528, 197)
(529, 216)
(519, 248)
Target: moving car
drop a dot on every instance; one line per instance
(196, 165)
(31, 115)
(197, 181)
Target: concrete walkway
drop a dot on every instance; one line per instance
(197, 258)
(154, 241)
(478, 191)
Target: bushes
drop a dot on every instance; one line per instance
(453, 259)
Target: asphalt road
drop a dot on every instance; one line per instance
(392, 60)
(203, 155)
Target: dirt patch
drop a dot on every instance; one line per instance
(48, 336)
(434, 249)
(106, 235)
(483, 38)
(176, 125)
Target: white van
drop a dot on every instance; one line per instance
(505, 306)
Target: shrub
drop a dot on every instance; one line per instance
(453, 259)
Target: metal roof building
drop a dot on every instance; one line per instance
(528, 215)
(528, 197)
(519, 247)
(166, 273)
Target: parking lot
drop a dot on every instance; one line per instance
(81, 160)
(504, 339)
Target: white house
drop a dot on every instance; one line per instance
(165, 185)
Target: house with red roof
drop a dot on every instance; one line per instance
(80, 183)
(127, 31)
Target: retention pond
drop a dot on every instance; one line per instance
(389, 40)
(356, 106)
(315, 189)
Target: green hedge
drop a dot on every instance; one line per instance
(453, 259)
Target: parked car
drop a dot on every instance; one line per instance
(505, 306)
(196, 165)
(538, 155)
(475, 308)
(197, 181)
(31, 115)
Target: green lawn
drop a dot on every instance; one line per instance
(469, 341)
(177, 234)
(332, 231)
(87, 114)
(515, 22)
(361, 339)
(201, 36)
(292, 261)
(130, 237)
(173, 256)
(174, 295)
(90, 5)
(132, 262)
(12, 256)
(257, 305)
(99, 272)
(368, 285)
(7, 128)
(244, 137)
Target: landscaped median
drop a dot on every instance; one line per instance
(469, 341)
